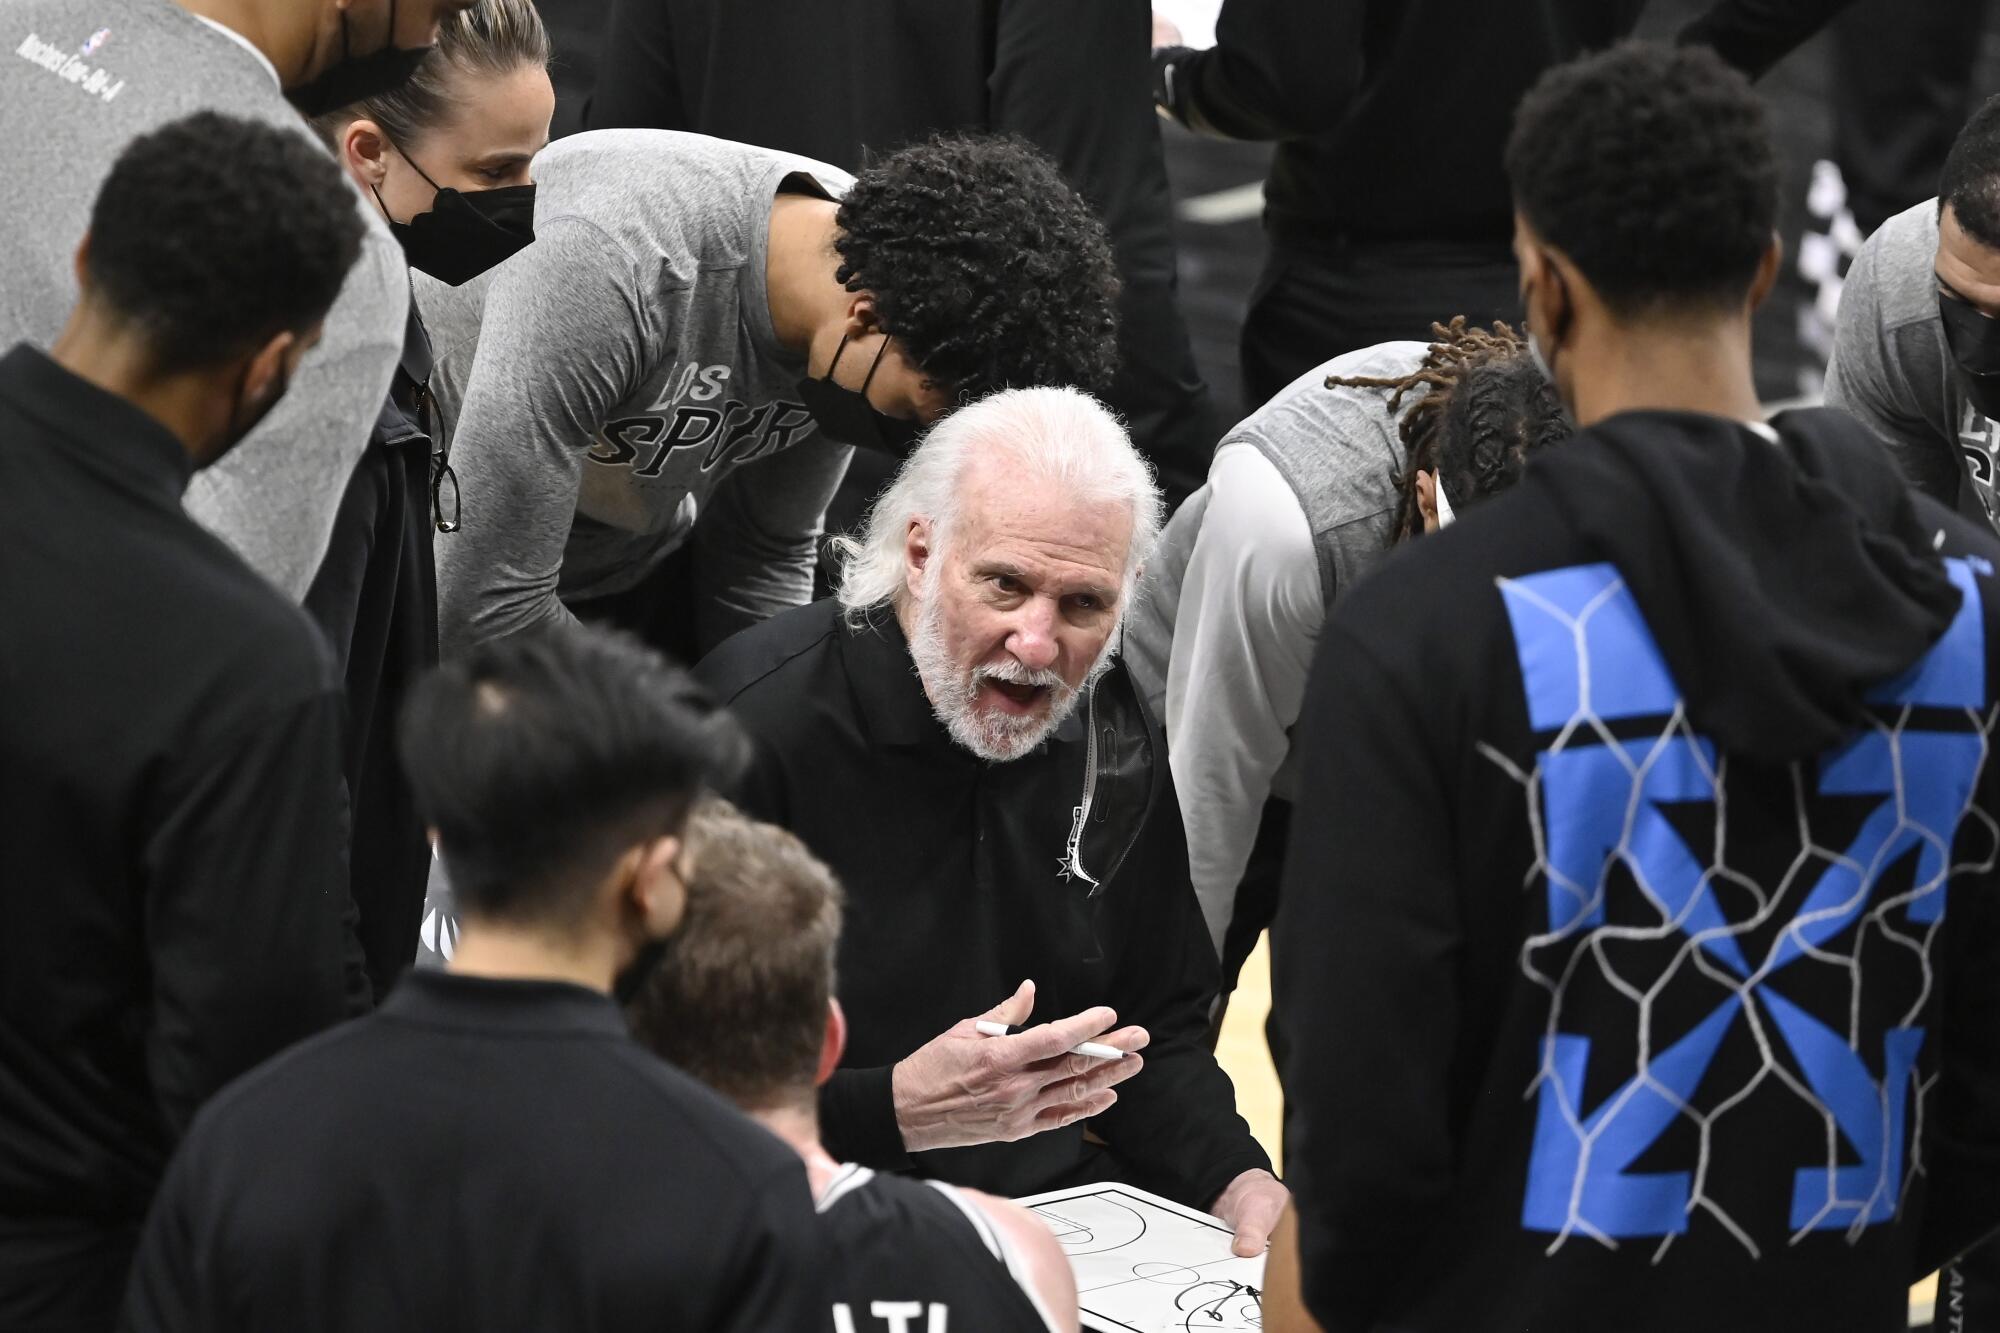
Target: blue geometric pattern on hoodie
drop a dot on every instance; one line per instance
(1663, 947)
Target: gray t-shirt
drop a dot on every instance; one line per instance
(620, 379)
(78, 80)
(1891, 367)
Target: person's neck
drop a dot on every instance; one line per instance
(798, 1126)
(513, 953)
(107, 355)
(288, 46)
(808, 306)
(1696, 366)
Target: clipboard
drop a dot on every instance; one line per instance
(1145, 1264)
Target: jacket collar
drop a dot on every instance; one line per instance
(887, 690)
(98, 427)
(446, 999)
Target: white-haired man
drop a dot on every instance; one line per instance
(1002, 811)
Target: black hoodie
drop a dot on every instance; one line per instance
(1615, 958)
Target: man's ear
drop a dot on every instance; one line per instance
(654, 887)
(270, 367)
(861, 317)
(917, 555)
(832, 1043)
(82, 263)
(364, 151)
(1548, 286)
(1768, 265)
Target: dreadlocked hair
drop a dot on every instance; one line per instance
(1485, 406)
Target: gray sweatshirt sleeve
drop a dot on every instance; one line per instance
(1872, 378)
(758, 542)
(274, 497)
(562, 341)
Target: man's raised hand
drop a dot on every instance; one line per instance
(962, 1088)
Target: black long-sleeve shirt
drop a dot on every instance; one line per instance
(952, 870)
(1641, 957)
(1392, 115)
(479, 1154)
(173, 867)
(846, 80)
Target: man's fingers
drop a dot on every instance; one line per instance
(1015, 1008)
(1132, 1039)
(1068, 1113)
(1253, 1229)
(1102, 1074)
(1049, 1040)
(1124, 1039)
(1253, 1205)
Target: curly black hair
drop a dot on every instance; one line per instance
(1485, 407)
(985, 264)
(213, 234)
(1652, 168)
(1970, 183)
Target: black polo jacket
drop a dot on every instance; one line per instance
(479, 1154)
(172, 844)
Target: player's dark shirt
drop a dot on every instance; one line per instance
(1640, 937)
(916, 1248)
(172, 860)
(479, 1154)
(957, 889)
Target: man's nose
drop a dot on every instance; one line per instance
(1033, 640)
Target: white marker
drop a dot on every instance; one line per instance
(1096, 1049)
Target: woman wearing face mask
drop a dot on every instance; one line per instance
(446, 159)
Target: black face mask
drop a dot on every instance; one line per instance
(248, 415)
(464, 234)
(1974, 340)
(846, 416)
(355, 78)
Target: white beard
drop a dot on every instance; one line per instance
(993, 736)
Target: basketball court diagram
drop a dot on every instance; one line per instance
(1144, 1264)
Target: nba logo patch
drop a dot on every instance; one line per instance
(97, 39)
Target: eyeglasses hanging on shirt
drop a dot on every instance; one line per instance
(465, 232)
(440, 462)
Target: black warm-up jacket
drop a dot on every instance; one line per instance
(173, 881)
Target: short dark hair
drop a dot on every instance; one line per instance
(1970, 183)
(214, 234)
(1652, 168)
(738, 997)
(985, 264)
(541, 758)
(1484, 407)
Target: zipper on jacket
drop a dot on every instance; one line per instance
(1080, 815)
